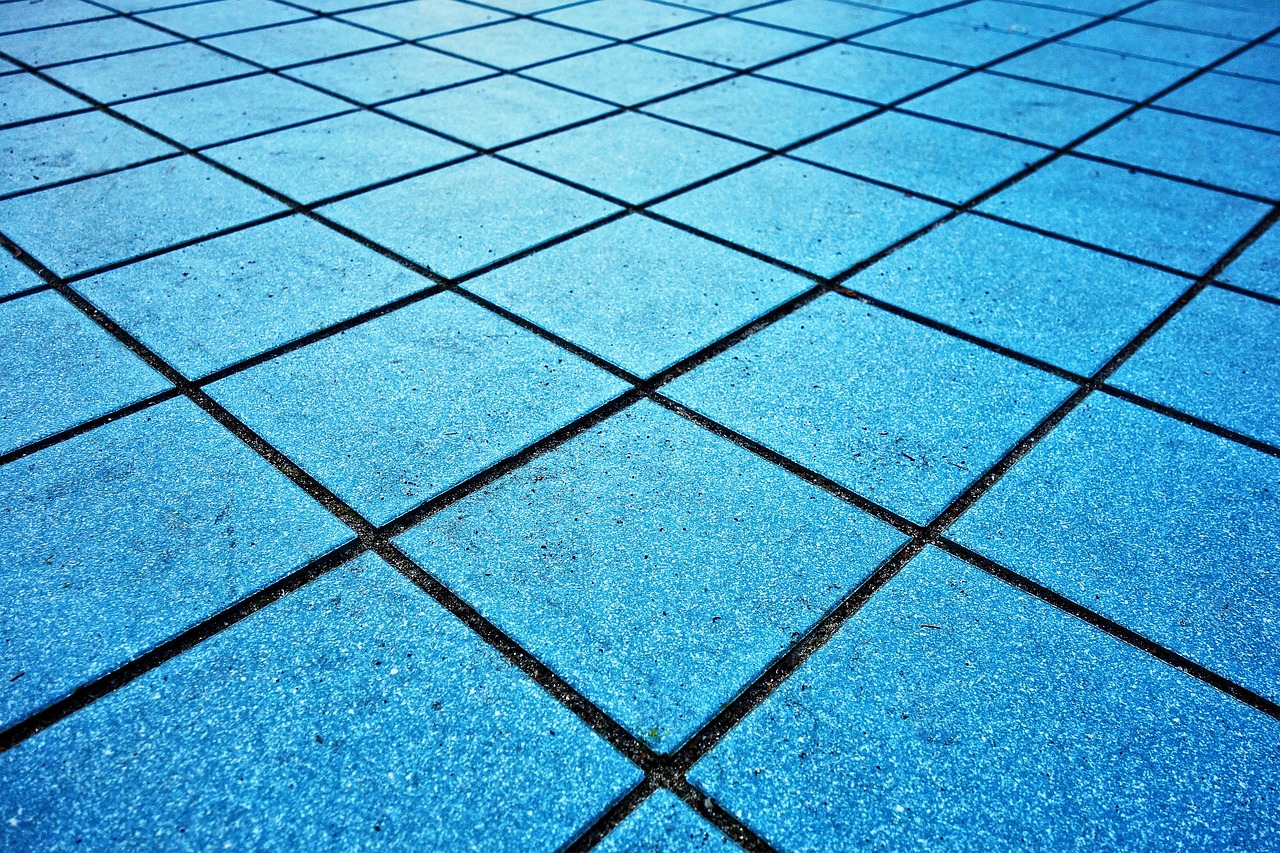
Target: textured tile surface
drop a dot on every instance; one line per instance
(665, 823)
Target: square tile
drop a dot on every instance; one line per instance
(1175, 224)
(730, 42)
(930, 157)
(127, 213)
(1053, 300)
(622, 19)
(1160, 526)
(1193, 49)
(1262, 61)
(224, 16)
(632, 157)
(627, 75)
(1230, 98)
(300, 41)
(319, 160)
(1105, 72)
(975, 33)
(81, 41)
(1258, 268)
(827, 18)
(133, 533)
(392, 719)
(858, 72)
(395, 411)
(952, 707)
(760, 111)
(638, 293)
(149, 72)
(498, 111)
(1216, 359)
(904, 415)
(23, 16)
(459, 219)
(395, 72)
(657, 605)
(664, 822)
(68, 148)
(421, 18)
(804, 215)
(61, 370)
(15, 276)
(1225, 22)
(212, 304)
(515, 44)
(24, 97)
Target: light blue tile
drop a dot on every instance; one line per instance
(930, 157)
(760, 111)
(81, 41)
(322, 159)
(515, 44)
(957, 710)
(872, 75)
(1101, 71)
(1206, 18)
(21, 16)
(904, 415)
(61, 370)
(399, 409)
(1258, 269)
(15, 276)
(623, 19)
(127, 213)
(1261, 61)
(1250, 102)
(499, 110)
(1171, 223)
(1134, 39)
(63, 149)
(356, 711)
(627, 75)
(638, 293)
(632, 157)
(657, 567)
(148, 72)
(421, 18)
(392, 73)
(224, 300)
(809, 217)
(664, 823)
(1160, 526)
(1216, 359)
(827, 18)
(118, 539)
(208, 19)
(25, 96)
(461, 218)
(301, 41)
(728, 41)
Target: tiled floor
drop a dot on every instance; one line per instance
(640, 424)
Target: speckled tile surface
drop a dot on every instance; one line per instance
(639, 425)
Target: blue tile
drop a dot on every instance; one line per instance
(326, 6)
(872, 75)
(63, 149)
(664, 823)
(622, 19)
(21, 16)
(638, 293)
(1207, 18)
(1250, 102)
(997, 724)
(301, 41)
(81, 41)
(499, 110)
(1155, 42)
(355, 711)
(1043, 297)
(1160, 526)
(930, 157)
(148, 72)
(127, 213)
(121, 538)
(806, 216)
(526, 7)
(1101, 71)
(1044, 114)
(904, 415)
(215, 303)
(632, 157)
(230, 110)
(1262, 61)
(828, 18)
(25, 96)
(391, 73)
(15, 276)
(62, 370)
(1208, 151)
(627, 75)
(760, 111)
(1217, 359)
(224, 16)
(1171, 223)
(397, 410)
(658, 606)
(1258, 269)
(514, 44)
(461, 218)
(728, 41)
(421, 18)
(336, 155)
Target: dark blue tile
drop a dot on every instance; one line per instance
(627, 75)
(391, 73)
(127, 213)
(1258, 269)
(215, 303)
(858, 72)
(1165, 221)
(902, 414)
(421, 18)
(208, 19)
(61, 370)
(1066, 305)
(638, 293)
(15, 276)
(1105, 72)
(514, 44)
(460, 218)
(355, 711)
(148, 72)
(81, 41)
(1217, 359)
(661, 823)
(844, 220)
(623, 19)
(300, 41)
(1237, 99)
(655, 566)
(1194, 49)
(67, 148)
(959, 711)
(1160, 526)
(829, 18)
(930, 157)
(1209, 18)
(399, 409)
(22, 16)
(730, 42)
(121, 538)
